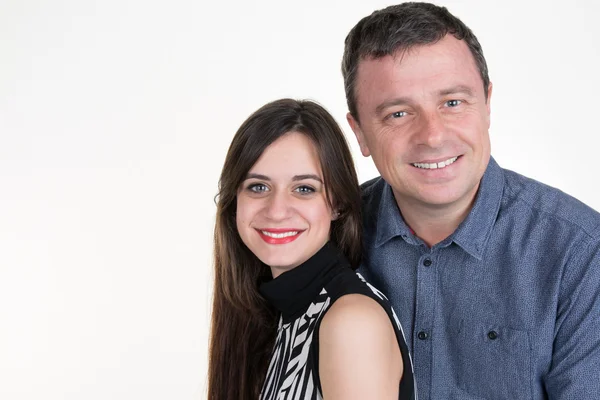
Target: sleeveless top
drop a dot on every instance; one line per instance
(302, 296)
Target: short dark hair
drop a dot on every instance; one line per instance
(399, 28)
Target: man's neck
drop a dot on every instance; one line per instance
(434, 223)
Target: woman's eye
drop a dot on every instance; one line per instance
(304, 189)
(453, 103)
(258, 188)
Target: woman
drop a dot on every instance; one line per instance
(291, 320)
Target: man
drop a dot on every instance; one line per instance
(495, 277)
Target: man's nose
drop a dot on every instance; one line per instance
(431, 132)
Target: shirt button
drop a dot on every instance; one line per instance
(427, 262)
(492, 335)
(422, 335)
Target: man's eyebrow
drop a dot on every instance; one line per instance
(398, 101)
(457, 89)
(307, 176)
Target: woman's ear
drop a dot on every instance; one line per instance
(335, 215)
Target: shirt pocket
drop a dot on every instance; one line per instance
(494, 362)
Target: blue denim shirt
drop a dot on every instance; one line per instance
(508, 306)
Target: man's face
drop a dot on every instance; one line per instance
(424, 119)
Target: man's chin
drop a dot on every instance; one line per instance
(440, 197)
(446, 196)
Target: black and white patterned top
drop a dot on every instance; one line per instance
(303, 295)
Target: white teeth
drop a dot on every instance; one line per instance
(279, 235)
(441, 164)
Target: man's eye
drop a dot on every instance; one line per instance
(453, 103)
(398, 114)
(304, 189)
(258, 188)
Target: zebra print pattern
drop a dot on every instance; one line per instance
(288, 377)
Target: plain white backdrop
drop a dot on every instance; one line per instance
(115, 117)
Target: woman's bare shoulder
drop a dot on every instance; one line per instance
(359, 356)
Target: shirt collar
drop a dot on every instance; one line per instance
(389, 220)
(471, 235)
(474, 232)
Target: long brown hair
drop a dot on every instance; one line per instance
(243, 323)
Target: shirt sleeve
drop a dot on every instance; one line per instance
(575, 367)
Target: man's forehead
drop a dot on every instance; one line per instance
(442, 61)
(447, 47)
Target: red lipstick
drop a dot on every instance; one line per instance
(278, 232)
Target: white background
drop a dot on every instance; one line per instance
(115, 117)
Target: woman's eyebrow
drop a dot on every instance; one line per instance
(294, 178)
(257, 176)
(307, 176)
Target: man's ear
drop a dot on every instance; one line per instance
(488, 103)
(360, 137)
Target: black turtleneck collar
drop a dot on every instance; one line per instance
(293, 290)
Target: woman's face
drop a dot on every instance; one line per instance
(282, 211)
